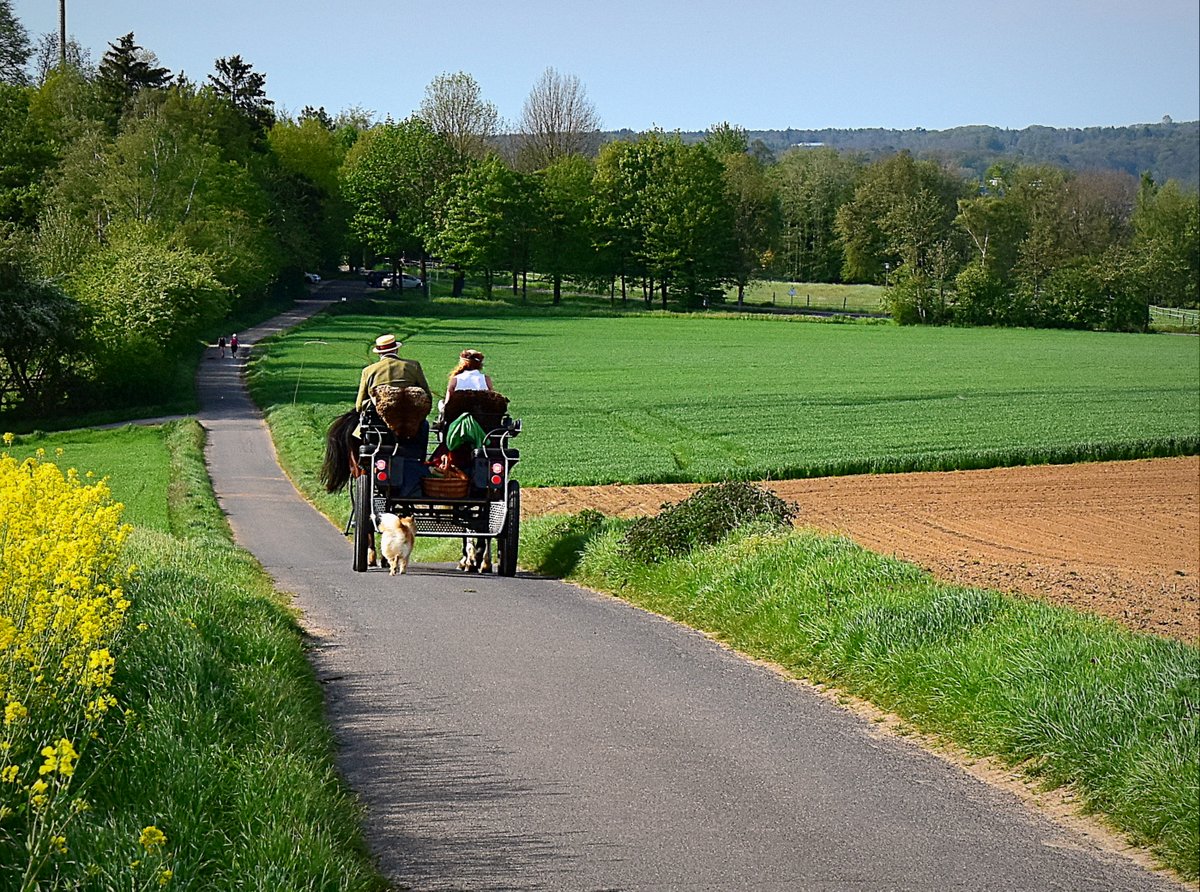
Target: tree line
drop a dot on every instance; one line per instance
(1167, 150)
(684, 222)
(138, 207)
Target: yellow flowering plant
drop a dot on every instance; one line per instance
(62, 606)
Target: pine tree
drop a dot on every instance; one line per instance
(243, 87)
(14, 46)
(126, 70)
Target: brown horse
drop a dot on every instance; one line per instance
(341, 464)
(341, 452)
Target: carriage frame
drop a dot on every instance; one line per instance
(385, 481)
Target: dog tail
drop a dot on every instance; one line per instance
(389, 522)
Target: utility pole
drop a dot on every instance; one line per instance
(62, 33)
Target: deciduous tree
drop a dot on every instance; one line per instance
(563, 236)
(486, 214)
(393, 180)
(26, 157)
(557, 119)
(1167, 243)
(812, 184)
(755, 217)
(39, 329)
(454, 107)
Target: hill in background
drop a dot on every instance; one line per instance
(1166, 150)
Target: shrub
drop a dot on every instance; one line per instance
(705, 518)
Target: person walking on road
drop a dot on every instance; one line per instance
(233, 345)
(221, 345)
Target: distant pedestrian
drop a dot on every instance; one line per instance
(233, 346)
(221, 344)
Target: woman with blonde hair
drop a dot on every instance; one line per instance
(468, 374)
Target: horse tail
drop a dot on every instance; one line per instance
(339, 449)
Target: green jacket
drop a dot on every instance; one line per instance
(390, 370)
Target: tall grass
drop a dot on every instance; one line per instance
(224, 749)
(1071, 699)
(654, 398)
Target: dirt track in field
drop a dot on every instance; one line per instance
(1121, 539)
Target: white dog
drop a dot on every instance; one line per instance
(396, 535)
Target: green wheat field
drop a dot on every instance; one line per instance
(648, 398)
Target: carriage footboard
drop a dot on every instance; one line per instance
(450, 518)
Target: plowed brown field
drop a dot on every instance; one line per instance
(1121, 539)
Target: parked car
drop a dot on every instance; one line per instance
(313, 278)
(406, 281)
(375, 277)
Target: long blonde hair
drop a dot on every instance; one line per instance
(467, 361)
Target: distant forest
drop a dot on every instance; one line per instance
(1167, 151)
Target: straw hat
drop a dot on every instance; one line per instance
(386, 344)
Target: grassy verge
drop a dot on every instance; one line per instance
(1071, 699)
(224, 749)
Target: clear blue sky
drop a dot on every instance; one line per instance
(686, 64)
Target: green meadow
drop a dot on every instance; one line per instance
(135, 459)
(812, 296)
(655, 398)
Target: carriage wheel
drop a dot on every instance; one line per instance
(362, 521)
(510, 536)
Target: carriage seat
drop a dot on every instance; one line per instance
(487, 406)
(395, 419)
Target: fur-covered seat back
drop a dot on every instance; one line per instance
(487, 406)
(401, 408)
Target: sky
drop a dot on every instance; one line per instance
(688, 64)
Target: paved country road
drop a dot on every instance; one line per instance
(526, 734)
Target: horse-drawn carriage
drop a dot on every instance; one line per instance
(391, 472)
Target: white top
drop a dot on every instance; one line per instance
(472, 379)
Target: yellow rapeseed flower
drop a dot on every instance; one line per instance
(51, 763)
(152, 838)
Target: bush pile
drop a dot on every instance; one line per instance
(705, 518)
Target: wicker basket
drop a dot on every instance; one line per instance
(444, 487)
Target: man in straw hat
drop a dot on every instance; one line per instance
(390, 369)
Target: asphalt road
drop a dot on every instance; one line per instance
(526, 734)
